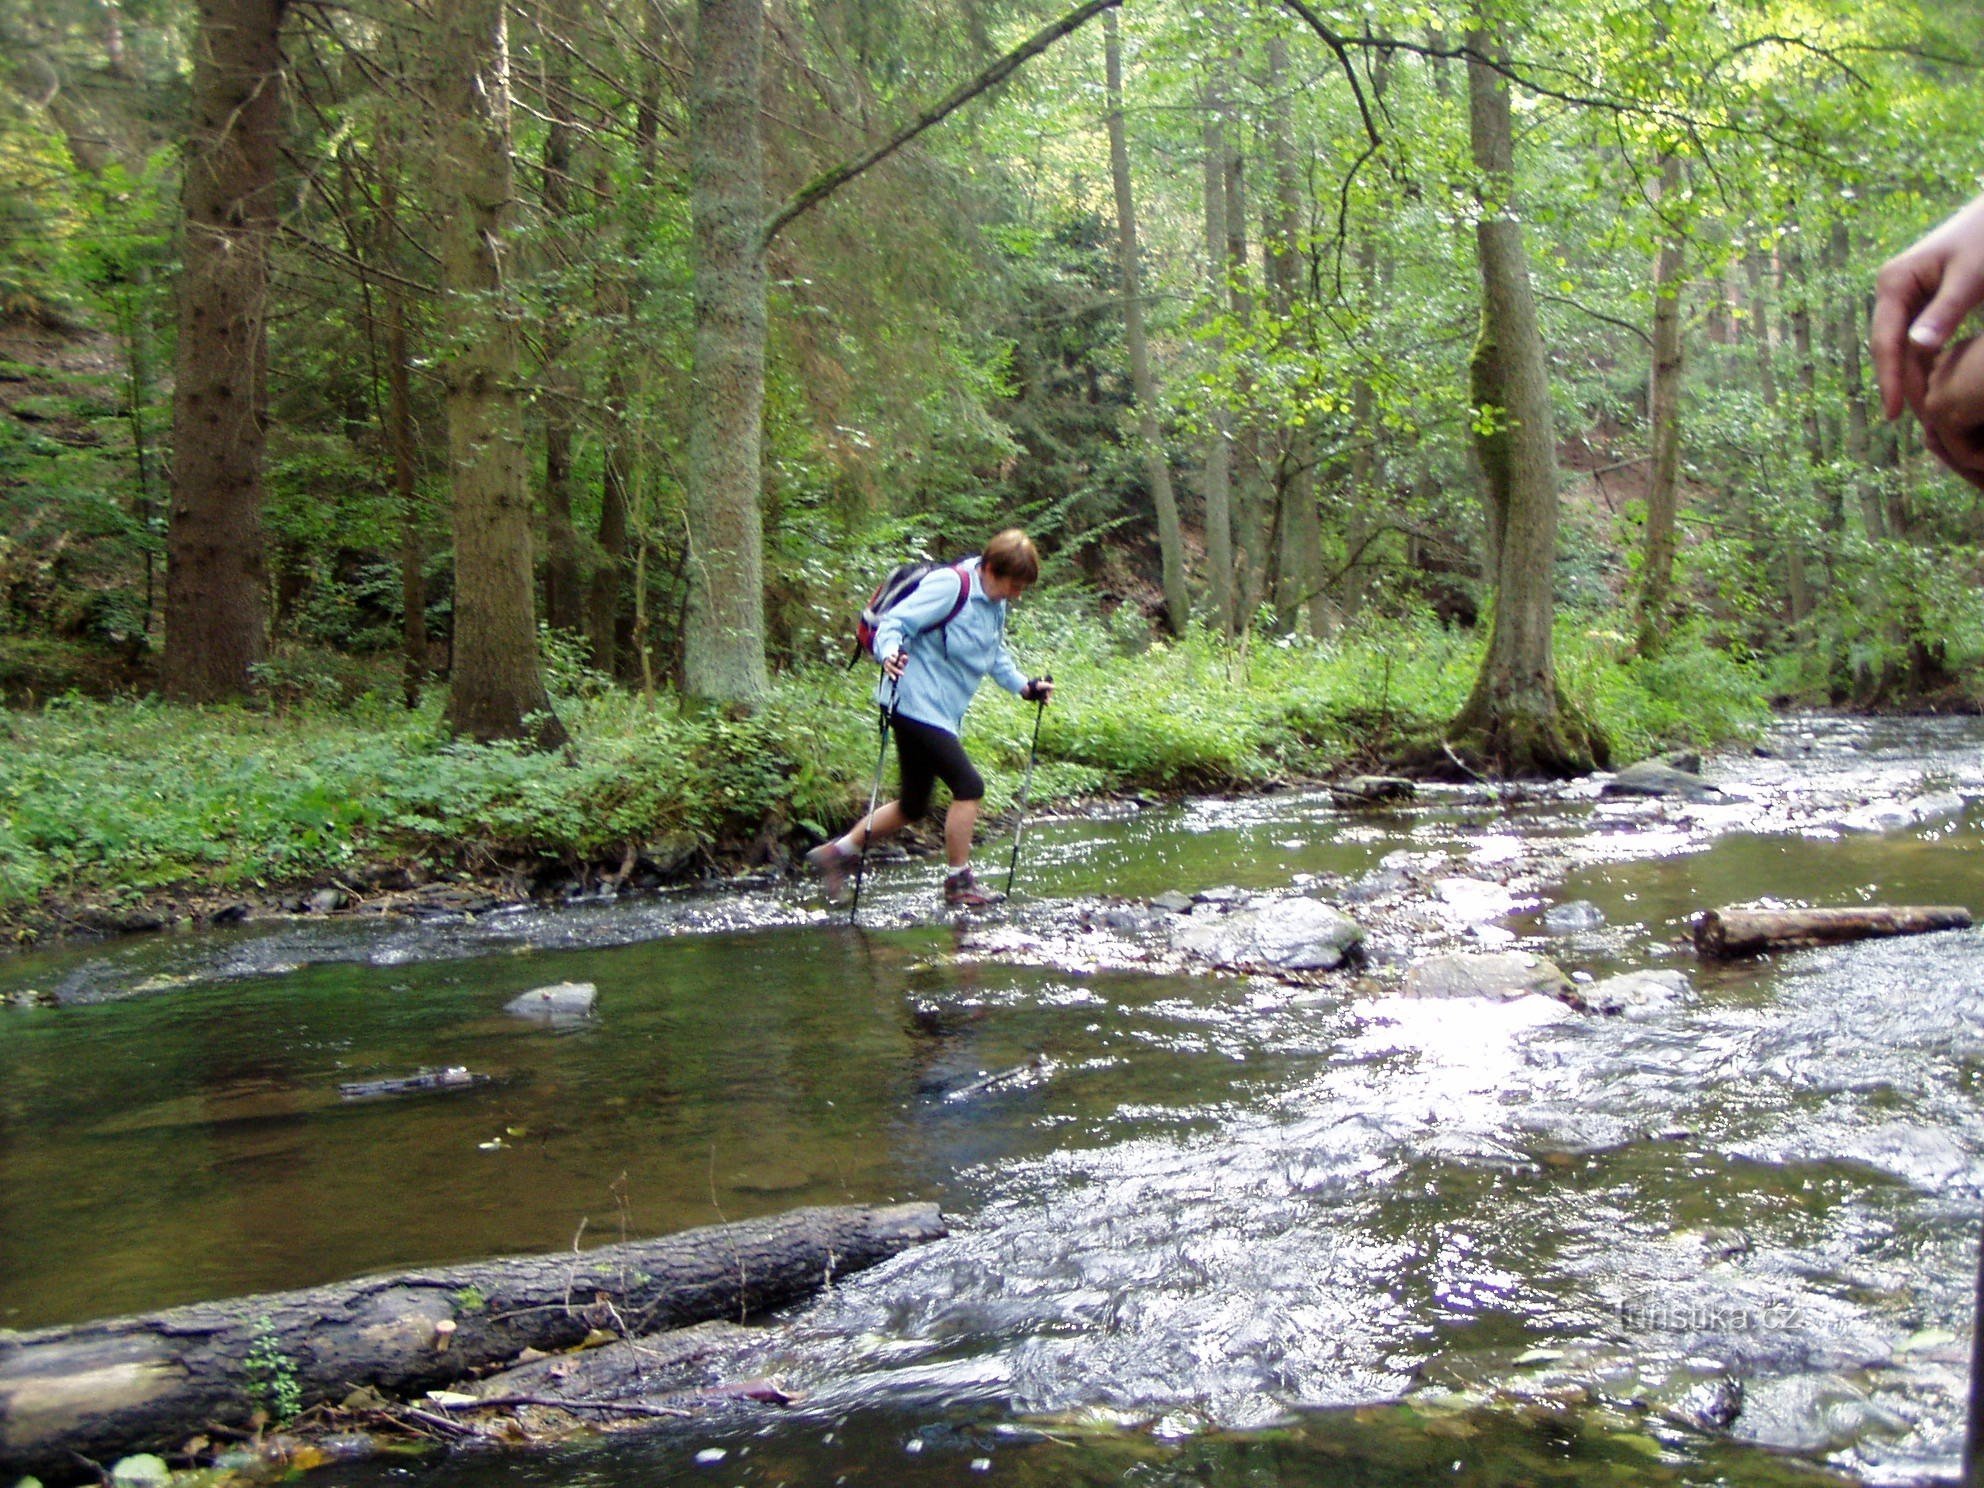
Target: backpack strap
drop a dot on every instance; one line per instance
(964, 592)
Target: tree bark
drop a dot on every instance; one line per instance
(1728, 933)
(1299, 586)
(564, 591)
(1150, 432)
(1513, 719)
(723, 643)
(497, 690)
(1218, 477)
(1656, 595)
(606, 584)
(100, 1390)
(1797, 595)
(216, 580)
(1251, 506)
(399, 435)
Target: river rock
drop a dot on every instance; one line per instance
(1379, 882)
(561, 1002)
(1279, 935)
(140, 1471)
(1173, 902)
(1633, 994)
(1896, 816)
(670, 855)
(1226, 896)
(1133, 921)
(1656, 778)
(1570, 918)
(325, 901)
(1372, 790)
(1506, 975)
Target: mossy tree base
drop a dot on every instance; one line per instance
(1511, 741)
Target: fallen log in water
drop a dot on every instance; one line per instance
(1727, 933)
(91, 1392)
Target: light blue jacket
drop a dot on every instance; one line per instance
(945, 666)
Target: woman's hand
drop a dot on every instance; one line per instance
(1921, 296)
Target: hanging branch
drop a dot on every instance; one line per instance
(822, 187)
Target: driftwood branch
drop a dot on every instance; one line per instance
(1728, 933)
(104, 1389)
(821, 187)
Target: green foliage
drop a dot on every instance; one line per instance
(272, 1376)
(134, 796)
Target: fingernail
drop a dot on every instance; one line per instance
(1926, 335)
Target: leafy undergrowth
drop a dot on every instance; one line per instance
(132, 799)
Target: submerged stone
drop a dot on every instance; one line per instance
(1568, 919)
(1282, 935)
(561, 1002)
(1634, 994)
(1895, 816)
(1655, 778)
(1506, 975)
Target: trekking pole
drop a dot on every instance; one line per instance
(1032, 753)
(887, 716)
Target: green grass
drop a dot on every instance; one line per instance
(126, 798)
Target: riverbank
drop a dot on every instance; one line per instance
(138, 815)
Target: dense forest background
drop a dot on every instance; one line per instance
(634, 338)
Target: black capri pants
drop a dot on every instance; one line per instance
(927, 755)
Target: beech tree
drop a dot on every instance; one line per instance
(1514, 719)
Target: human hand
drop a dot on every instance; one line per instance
(1953, 409)
(1038, 690)
(1921, 296)
(895, 663)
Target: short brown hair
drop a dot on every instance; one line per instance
(1010, 555)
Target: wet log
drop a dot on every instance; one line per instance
(1728, 933)
(89, 1393)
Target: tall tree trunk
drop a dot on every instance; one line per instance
(399, 438)
(497, 690)
(1513, 718)
(1849, 333)
(1252, 511)
(606, 585)
(216, 581)
(1150, 433)
(1797, 596)
(1218, 477)
(723, 645)
(1299, 556)
(1664, 421)
(1367, 465)
(564, 593)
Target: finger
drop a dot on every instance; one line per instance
(1898, 294)
(1960, 292)
(1915, 369)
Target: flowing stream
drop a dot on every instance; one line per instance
(1218, 1230)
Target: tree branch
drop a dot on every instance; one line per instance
(822, 187)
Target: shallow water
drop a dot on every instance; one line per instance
(1219, 1225)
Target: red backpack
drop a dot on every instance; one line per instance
(902, 579)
